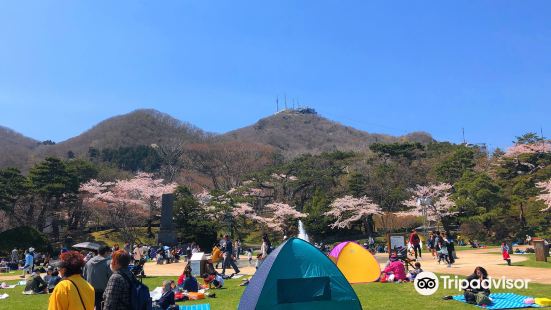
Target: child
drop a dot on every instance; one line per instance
(258, 260)
(505, 253)
(250, 256)
(213, 280)
(412, 274)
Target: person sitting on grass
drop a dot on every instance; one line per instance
(35, 284)
(54, 280)
(477, 292)
(190, 283)
(182, 277)
(167, 299)
(395, 271)
(412, 274)
(213, 280)
(48, 274)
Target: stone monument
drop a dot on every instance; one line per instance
(167, 236)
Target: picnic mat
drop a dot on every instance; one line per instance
(196, 307)
(503, 301)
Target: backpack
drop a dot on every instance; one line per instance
(139, 294)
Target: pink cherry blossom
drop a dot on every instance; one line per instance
(349, 210)
(545, 195)
(438, 203)
(518, 149)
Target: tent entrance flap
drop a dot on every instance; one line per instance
(303, 290)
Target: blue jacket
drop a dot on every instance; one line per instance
(29, 260)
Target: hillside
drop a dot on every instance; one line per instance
(140, 127)
(291, 132)
(15, 149)
(295, 132)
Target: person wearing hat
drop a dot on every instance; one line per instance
(73, 292)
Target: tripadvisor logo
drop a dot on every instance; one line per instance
(427, 283)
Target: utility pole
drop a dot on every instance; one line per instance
(285, 101)
(463, 130)
(277, 104)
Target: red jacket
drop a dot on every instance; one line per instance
(414, 241)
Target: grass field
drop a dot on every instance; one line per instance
(372, 296)
(531, 262)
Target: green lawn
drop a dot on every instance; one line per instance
(469, 248)
(372, 295)
(531, 262)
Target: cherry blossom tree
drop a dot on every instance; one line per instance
(531, 148)
(349, 210)
(114, 207)
(545, 195)
(149, 190)
(281, 217)
(434, 199)
(123, 203)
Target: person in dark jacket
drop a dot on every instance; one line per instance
(477, 291)
(167, 299)
(117, 292)
(228, 256)
(190, 283)
(35, 284)
(97, 272)
(415, 242)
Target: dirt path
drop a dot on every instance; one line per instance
(468, 260)
(465, 265)
(175, 269)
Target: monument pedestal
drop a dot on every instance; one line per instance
(166, 235)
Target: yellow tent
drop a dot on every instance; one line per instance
(356, 263)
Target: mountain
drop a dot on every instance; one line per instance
(291, 132)
(140, 127)
(15, 149)
(299, 131)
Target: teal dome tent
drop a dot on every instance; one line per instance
(297, 275)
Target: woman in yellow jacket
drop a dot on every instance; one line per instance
(73, 292)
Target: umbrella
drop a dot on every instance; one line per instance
(87, 245)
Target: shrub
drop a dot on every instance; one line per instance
(22, 237)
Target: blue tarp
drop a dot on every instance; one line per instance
(503, 301)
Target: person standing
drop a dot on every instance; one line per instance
(29, 262)
(15, 256)
(237, 248)
(265, 249)
(97, 272)
(117, 292)
(371, 242)
(73, 292)
(505, 253)
(228, 258)
(138, 254)
(415, 241)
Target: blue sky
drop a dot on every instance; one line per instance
(386, 66)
